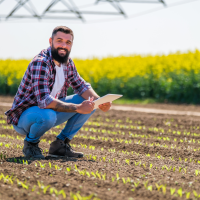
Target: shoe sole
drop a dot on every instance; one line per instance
(55, 156)
(28, 157)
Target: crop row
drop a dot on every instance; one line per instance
(41, 188)
(91, 147)
(134, 185)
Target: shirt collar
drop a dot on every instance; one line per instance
(51, 58)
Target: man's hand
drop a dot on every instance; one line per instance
(85, 107)
(105, 106)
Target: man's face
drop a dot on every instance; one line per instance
(61, 45)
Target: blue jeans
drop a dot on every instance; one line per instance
(34, 121)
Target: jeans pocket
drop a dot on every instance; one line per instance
(20, 130)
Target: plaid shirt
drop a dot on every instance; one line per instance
(37, 84)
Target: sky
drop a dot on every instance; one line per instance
(148, 29)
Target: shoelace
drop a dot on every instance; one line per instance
(36, 150)
(68, 146)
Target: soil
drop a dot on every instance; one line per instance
(143, 156)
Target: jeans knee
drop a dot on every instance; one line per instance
(48, 119)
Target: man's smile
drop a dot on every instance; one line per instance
(62, 51)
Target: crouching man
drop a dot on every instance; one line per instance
(41, 101)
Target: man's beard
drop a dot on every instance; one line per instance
(57, 57)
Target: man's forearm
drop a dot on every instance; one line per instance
(60, 106)
(90, 93)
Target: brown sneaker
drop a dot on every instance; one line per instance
(59, 148)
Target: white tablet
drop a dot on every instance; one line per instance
(105, 99)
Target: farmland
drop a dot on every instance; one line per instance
(172, 78)
(128, 155)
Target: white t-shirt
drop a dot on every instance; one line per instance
(59, 81)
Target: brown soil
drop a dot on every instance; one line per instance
(144, 156)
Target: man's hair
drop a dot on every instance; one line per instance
(63, 29)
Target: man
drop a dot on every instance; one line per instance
(41, 101)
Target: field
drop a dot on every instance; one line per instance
(164, 78)
(128, 155)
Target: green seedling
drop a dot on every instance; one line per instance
(128, 180)
(187, 195)
(63, 193)
(88, 174)
(136, 184)
(45, 189)
(56, 167)
(117, 175)
(180, 192)
(94, 157)
(98, 175)
(164, 189)
(172, 158)
(33, 189)
(104, 177)
(180, 168)
(93, 174)
(127, 161)
(149, 187)
(50, 165)
(76, 168)
(172, 191)
(136, 164)
(158, 187)
(53, 190)
(195, 194)
(151, 165)
(124, 180)
(68, 169)
(145, 184)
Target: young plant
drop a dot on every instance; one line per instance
(136, 184)
(127, 161)
(172, 191)
(164, 189)
(158, 187)
(195, 194)
(187, 195)
(180, 192)
(68, 169)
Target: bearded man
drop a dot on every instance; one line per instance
(41, 101)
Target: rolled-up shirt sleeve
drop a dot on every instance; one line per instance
(40, 83)
(78, 84)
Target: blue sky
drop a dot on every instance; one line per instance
(167, 30)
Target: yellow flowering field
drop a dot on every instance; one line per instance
(136, 65)
(135, 76)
